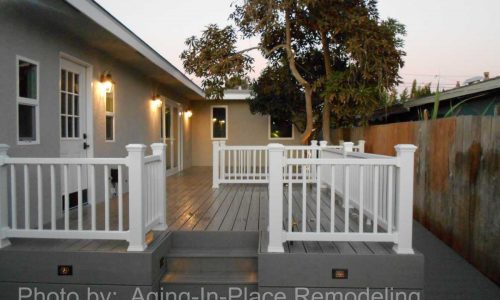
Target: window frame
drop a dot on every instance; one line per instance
(29, 102)
(110, 114)
(212, 123)
(269, 117)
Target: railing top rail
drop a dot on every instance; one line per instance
(394, 161)
(226, 147)
(151, 159)
(64, 161)
(358, 154)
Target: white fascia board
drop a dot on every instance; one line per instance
(99, 15)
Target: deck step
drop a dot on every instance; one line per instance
(211, 262)
(211, 278)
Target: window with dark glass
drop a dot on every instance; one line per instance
(280, 129)
(165, 128)
(219, 122)
(27, 101)
(110, 114)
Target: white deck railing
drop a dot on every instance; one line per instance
(250, 164)
(32, 188)
(379, 187)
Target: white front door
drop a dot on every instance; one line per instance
(73, 123)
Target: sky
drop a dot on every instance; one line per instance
(446, 41)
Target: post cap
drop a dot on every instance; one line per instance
(135, 147)
(405, 148)
(361, 141)
(314, 142)
(323, 143)
(158, 146)
(348, 143)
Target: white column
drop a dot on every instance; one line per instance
(314, 154)
(404, 208)
(361, 145)
(4, 197)
(222, 160)
(160, 149)
(215, 164)
(136, 197)
(276, 152)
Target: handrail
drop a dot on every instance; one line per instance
(37, 189)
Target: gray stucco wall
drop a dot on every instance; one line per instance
(136, 122)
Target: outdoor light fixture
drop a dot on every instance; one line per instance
(189, 113)
(340, 274)
(156, 102)
(107, 82)
(214, 120)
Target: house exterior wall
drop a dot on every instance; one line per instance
(135, 120)
(244, 128)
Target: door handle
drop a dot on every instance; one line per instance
(85, 146)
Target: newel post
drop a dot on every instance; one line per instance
(405, 154)
(137, 229)
(215, 164)
(160, 149)
(361, 146)
(347, 147)
(276, 152)
(4, 197)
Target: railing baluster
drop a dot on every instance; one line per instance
(304, 200)
(27, 213)
(254, 163)
(361, 198)
(290, 196)
(13, 195)
(66, 197)
(106, 197)
(375, 200)
(93, 197)
(40, 196)
(318, 197)
(332, 199)
(389, 200)
(80, 197)
(53, 197)
(346, 199)
(120, 197)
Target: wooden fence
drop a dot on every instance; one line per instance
(457, 180)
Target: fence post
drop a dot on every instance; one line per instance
(136, 197)
(405, 154)
(347, 147)
(4, 197)
(276, 152)
(215, 164)
(314, 154)
(160, 149)
(361, 145)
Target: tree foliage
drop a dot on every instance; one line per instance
(341, 59)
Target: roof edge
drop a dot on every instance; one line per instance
(106, 20)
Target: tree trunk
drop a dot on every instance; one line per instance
(309, 116)
(327, 108)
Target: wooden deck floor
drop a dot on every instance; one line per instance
(194, 206)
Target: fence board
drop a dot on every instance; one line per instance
(457, 180)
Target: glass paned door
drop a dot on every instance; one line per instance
(170, 134)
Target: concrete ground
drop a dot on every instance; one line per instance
(447, 274)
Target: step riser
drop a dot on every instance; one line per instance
(215, 240)
(208, 264)
(195, 290)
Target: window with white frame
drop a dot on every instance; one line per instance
(70, 105)
(280, 129)
(110, 114)
(28, 130)
(218, 123)
(165, 128)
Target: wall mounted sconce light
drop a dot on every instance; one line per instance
(189, 113)
(156, 102)
(107, 82)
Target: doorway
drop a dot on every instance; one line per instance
(171, 134)
(73, 101)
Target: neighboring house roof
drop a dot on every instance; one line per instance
(237, 94)
(468, 90)
(104, 19)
